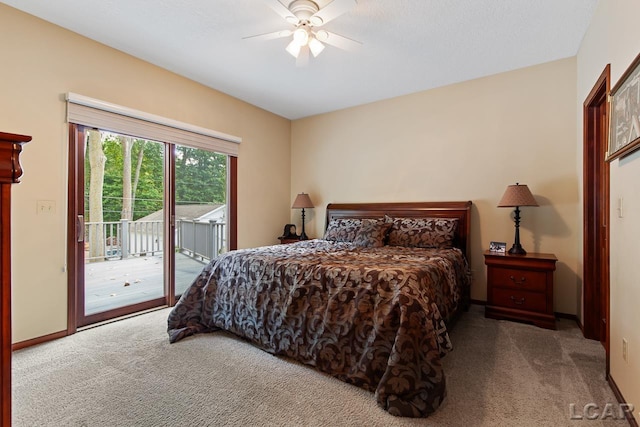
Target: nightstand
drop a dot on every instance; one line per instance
(520, 287)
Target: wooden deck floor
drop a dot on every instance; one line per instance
(118, 283)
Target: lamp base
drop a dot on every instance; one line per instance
(303, 235)
(517, 250)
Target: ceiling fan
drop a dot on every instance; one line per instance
(306, 17)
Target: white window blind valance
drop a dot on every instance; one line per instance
(115, 118)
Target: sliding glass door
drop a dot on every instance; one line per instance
(145, 217)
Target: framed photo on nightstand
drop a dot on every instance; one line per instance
(498, 247)
(289, 232)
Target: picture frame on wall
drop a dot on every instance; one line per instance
(624, 122)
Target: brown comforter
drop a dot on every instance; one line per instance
(372, 317)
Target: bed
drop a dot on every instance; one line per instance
(370, 303)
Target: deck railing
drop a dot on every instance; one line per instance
(204, 240)
(123, 239)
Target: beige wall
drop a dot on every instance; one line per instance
(42, 62)
(467, 141)
(612, 38)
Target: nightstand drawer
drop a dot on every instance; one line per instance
(521, 300)
(518, 279)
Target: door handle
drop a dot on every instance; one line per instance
(518, 282)
(517, 301)
(80, 228)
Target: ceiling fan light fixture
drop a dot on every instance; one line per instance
(294, 48)
(301, 36)
(306, 16)
(315, 46)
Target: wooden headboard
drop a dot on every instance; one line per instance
(460, 210)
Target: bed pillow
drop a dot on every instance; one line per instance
(343, 229)
(372, 233)
(423, 232)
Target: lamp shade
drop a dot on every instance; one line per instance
(294, 48)
(517, 195)
(315, 46)
(302, 201)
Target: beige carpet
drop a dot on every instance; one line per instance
(127, 374)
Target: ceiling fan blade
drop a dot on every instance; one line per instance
(303, 57)
(270, 36)
(337, 40)
(281, 10)
(331, 11)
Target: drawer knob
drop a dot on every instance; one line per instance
(518, 282)
(518, 301)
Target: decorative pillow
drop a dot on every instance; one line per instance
(372, 234)
(343, 229)
(423, 232)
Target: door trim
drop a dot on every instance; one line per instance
(169, 224)
(596, 212)
(75, 257)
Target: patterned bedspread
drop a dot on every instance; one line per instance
(372, 317)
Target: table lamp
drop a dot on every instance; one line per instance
(516, 196)
(302, 201)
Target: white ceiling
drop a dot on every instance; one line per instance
(408, 45)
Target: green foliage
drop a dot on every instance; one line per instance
(201, 177)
